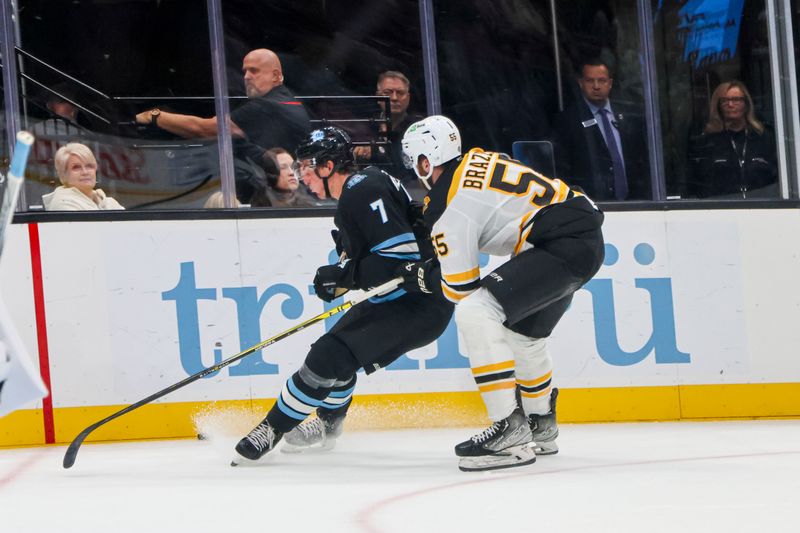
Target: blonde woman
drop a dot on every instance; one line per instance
(735, 157)
(217, 201)
(76, 167)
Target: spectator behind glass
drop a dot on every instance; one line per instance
(217, 201)
(63, 114)
(270, 117)
(282, 188)
(76, 167)
(396, 86)
(600, 147)
(735, 156)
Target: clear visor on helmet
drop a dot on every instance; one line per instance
(301, 166)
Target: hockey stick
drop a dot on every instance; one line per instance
(72, 450)
(16, 173)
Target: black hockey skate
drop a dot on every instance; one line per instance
(316, 434)
(504, 444)
(545, 428)
(258, 442)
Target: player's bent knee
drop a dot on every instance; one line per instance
(468, 314)
(331, 358)
(478, 309)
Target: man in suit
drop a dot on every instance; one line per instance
(601, 147)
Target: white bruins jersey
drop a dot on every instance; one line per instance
(487, 204)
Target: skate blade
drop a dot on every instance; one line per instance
(546, 448)
(509, 458)
(239, 460)
(326, 446)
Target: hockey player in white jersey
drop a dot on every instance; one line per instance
(485, 202)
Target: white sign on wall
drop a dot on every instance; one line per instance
(133, 307)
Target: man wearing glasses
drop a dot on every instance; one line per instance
(599, 145)
(396, 86)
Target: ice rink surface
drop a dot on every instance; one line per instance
(650, 477)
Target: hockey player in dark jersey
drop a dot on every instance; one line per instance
(486, 202)
(376, 232)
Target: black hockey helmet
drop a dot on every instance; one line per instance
(327, 144)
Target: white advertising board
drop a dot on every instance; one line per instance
(695, 297)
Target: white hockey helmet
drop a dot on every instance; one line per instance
(435, 137)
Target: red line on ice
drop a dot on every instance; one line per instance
(366, 518)
(19, 469)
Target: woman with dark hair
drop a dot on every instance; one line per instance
(735, 156)
(282, 186)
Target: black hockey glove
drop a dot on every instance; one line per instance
(416, 213)
(329, 278)
(337, 239)
(418, 276)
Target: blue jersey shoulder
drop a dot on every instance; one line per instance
(354, 180)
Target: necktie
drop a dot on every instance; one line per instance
(620, 182)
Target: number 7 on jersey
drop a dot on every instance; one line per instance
(377, 205)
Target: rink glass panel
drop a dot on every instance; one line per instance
(499, 65)
(4, 159)
(332, 54)
(697, 48)
(496, 62)
(115, 60)
(328, 48)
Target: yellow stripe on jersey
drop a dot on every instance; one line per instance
(494, 367)
(523, 232)
(502, 385)
(452, 295)
(456, 179)
(534, 382)
(563, 191)
(462, 277)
